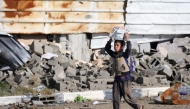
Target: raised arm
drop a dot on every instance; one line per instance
(128, 49)
(108, 48)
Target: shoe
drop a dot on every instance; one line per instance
(142, 107)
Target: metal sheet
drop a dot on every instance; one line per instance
(160, 19)
(152, 17)
(23, 28)
(60, 17)
(159, 1)
(157, 7)
(158, 29)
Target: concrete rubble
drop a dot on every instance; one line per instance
(56, 68)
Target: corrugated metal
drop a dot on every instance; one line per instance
(60, 17)
(158, 16)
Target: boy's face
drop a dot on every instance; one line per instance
(118, 47)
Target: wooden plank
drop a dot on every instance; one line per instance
(158, 29)
(149, 19)
(170, 1)
(144, 7)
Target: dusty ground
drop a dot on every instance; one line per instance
(147, 102)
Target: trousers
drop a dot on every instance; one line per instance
(123, 88)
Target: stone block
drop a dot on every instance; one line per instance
(93, 86)
(82, 72)
(28, 72)
(161, 78)
(187, 58)
(45, 66)
(65, 64)
(167, 70)
(55, 48)
(104, 74)
(37, 47)
(48, 49)
(94, 69)
(143, 65)
(52, 62)
(35, 69)
(71, 71)
(146, 80)
(72, 63)
(36, 57)
(175, 56)
(90, 73)
(81, 79)
(59, 72)
(163, 51)
(18, 78)
(37, 103)
(145, 47)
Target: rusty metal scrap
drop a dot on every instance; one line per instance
(51, 17)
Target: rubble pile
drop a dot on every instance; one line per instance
(167, 63)
(55, 68)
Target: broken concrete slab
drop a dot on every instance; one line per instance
(104, 74)
(59, 72)
(55, 48)
(65, 64)
(81, 79)
(18, 78)
(71, 71)
(52, 61)
(163, 51)
(161, 78)
(146, 80)
(48, 49)
(37, 103)
(167, 70)
(175, 56)
(37, 47)
(82, 72)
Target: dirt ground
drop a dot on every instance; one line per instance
(147, 102)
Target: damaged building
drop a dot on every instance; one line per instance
(60, 44)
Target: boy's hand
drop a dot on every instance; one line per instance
(127, 36)
(110, 39)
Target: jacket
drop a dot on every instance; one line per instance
(119, 64)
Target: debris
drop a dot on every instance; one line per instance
(97, 102)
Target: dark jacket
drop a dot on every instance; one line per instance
(119, 54)
(119, 67)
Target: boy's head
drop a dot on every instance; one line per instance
(119, 45)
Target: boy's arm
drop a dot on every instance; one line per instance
(108, 48)
(128, 49)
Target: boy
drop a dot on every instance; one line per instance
(122, 82)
